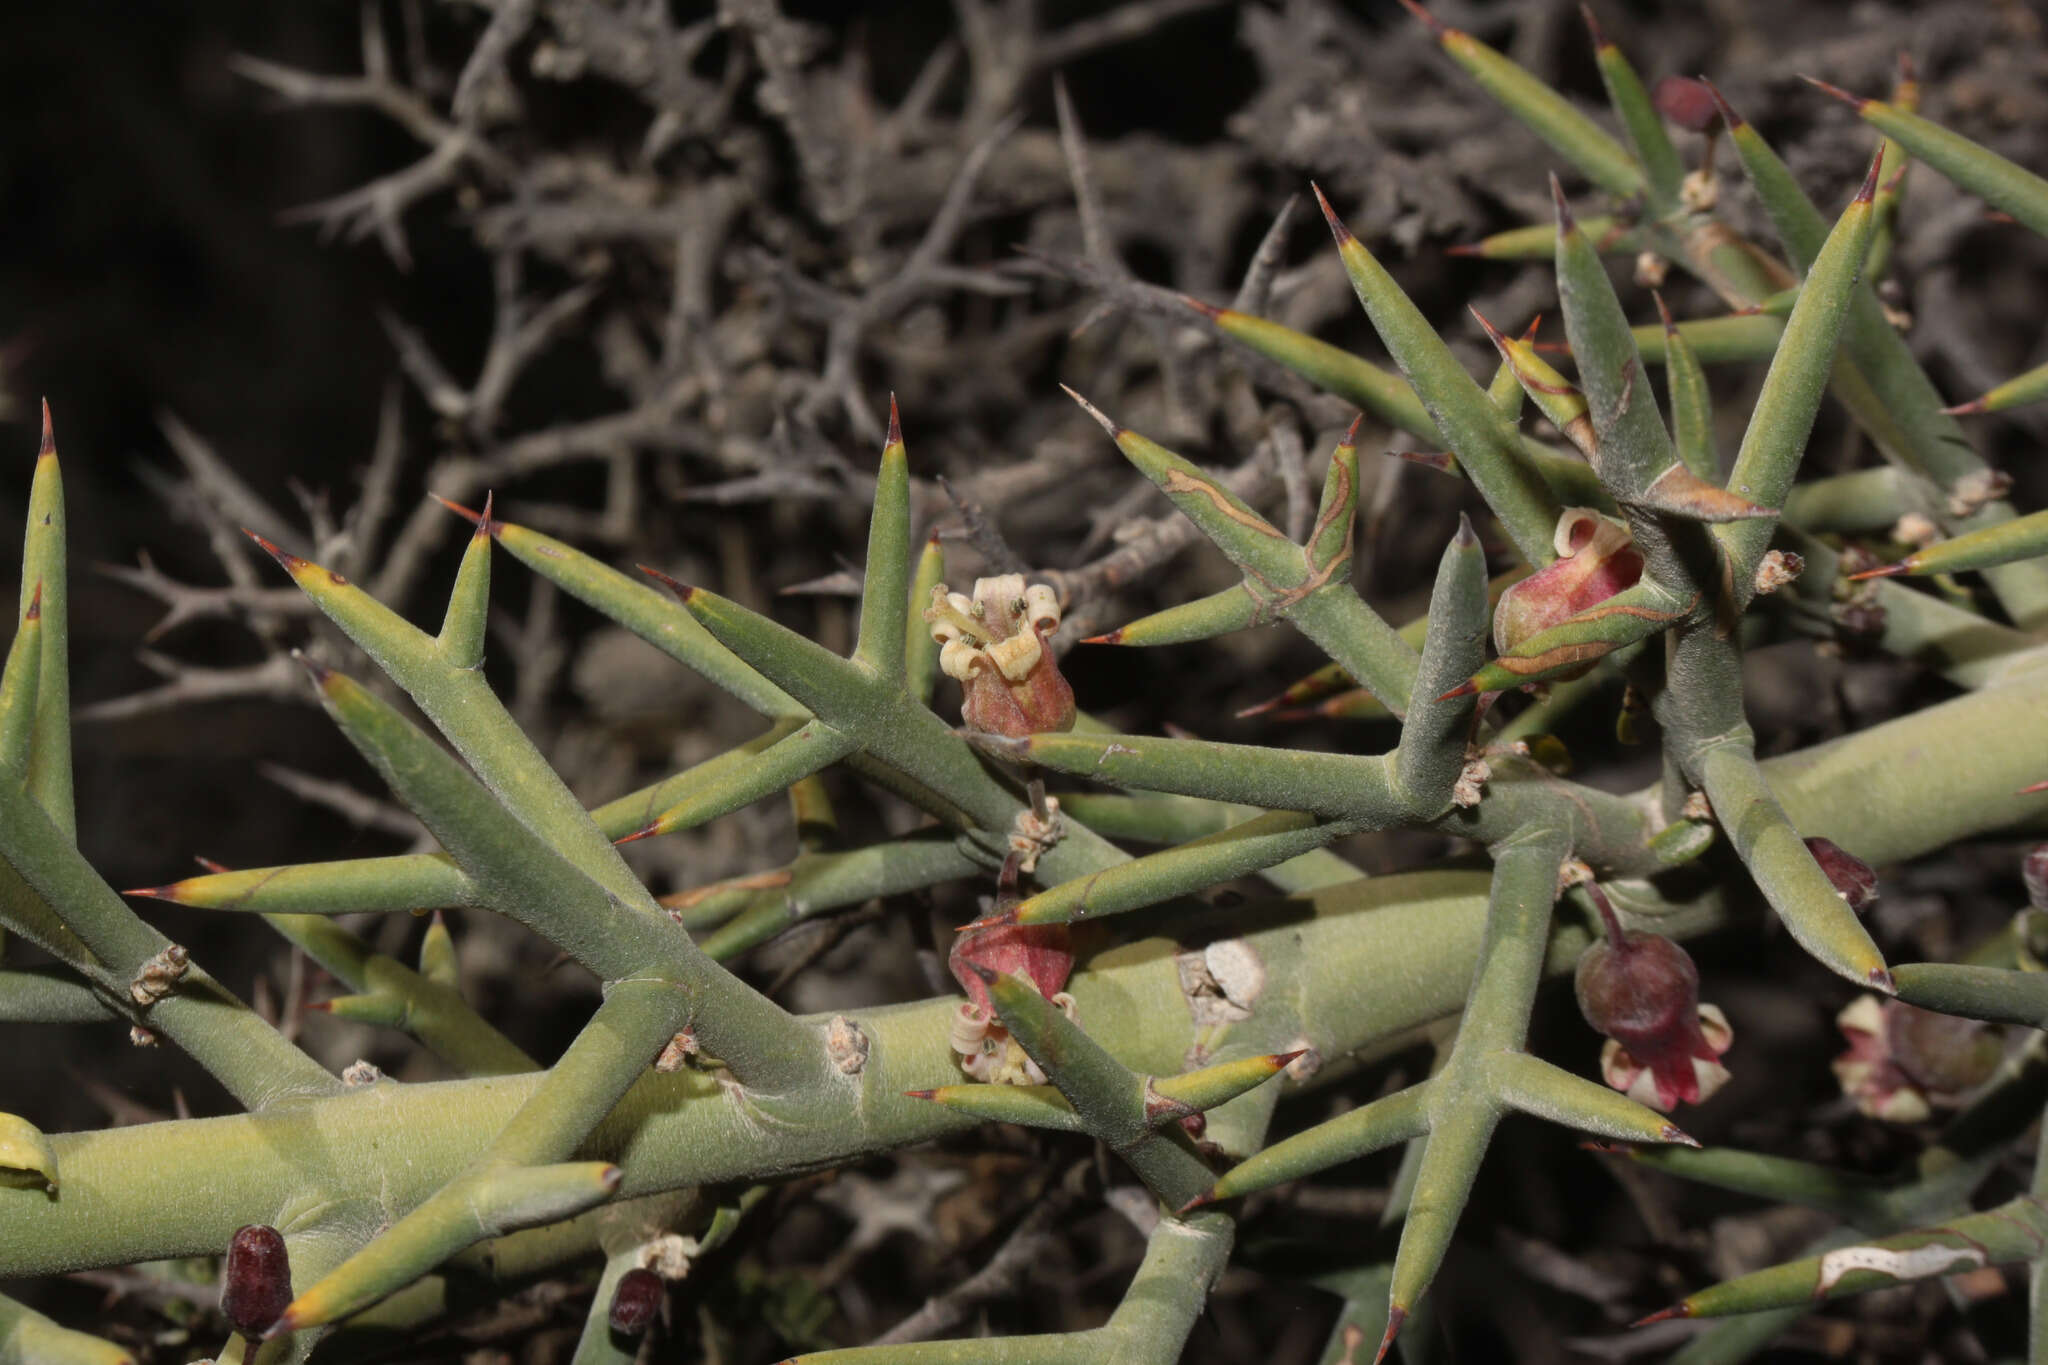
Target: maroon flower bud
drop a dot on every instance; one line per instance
(1904, 1061)
(636, 1300)
(1195, 1124)
(2034, 869)
(1687, 103)
(256, 1284)
(1596, 559)
(1852, 878)
(1643, 992)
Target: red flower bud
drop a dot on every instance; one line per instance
(1043, 953)
(635, 1301)
(1853, 879)
(1643, 992)
(256, 1283)
(1687, 103)
(1596, 560)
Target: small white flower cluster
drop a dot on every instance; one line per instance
(999, 606)
(989, 1054)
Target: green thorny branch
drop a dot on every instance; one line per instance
(686, 1078)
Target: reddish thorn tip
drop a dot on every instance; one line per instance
(1337, 228)
(646, 831)
(211, 866)
(919, 1094)
(1206, 309)
(1676, 1310)
(1886, 571)
(1396, 1315)
(155, 893)
(895, 436)
(1855, 102)
(1664, 312)
(1493, 333)
(35, 604)
(1975, 405)
(1565, 222)
(1463, 689)
(485, 525)
(1464, 537)
(1868, 193)
(49, 446)
(1880, 979)
(1593, 27)
(1671, 1132)
(1114, 637)
(290, 562)
(468, 514)
(315, 670)
(1908, 73)
(1002, 921)
(1728, 114)
(1280, 1060)
(2032, 789)
(1529, 333)
(1199, 1201)
(1261, 708)
(1435, 25)
(683, 591)
(1466, 249)
(320, 1007)
(1350, 441)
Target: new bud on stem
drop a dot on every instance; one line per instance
(256, 1283)
(1643, 991)
(995, 643)
(1853, 879)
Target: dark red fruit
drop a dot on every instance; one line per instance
(256, 1285)
(635, 1301)
(1687, 103)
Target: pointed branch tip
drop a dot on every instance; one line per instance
(1202, 306)
(1671, 1132)
(1337, 228)
(895, 436)
(645, 831)
(1397, 1314)
(1868, 193)
(1350, 440)
(1664, 312)
(290, 562)
(1435, 25)
(1883, 571)
(1102, 419)
(1593, 28)
(1676, 1310)
(1465, 537)
(683, 591)
(1728, 115)
(1463, 689)
(49, 446)
(1855, 102)
(1565, 222)
(1114, 637)
(919, 1094)
(468, 514)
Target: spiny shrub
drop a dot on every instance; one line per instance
(353, 1209)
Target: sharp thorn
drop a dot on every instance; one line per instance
(645, 831)
(1350, 441)
(1435, 25)
(1729, 117)
(1396, 1315)
(1207, 310)
(1593, 26)
(289, 562)
(1463, 689)
(1855, 102)
(155, 893)
(1673, 1133)
(683, 591)
(1465, 537)
(2032, 788)
(1337, 228)
(1664, 312)
(1904, 566)
(1465, 249)
(1676, 1310)
(895, 436)
(49, 446)
(1114, 637)
(1868, 193)
(919, 1094)
(468, 514)
(211, 866)
(1975, 405)
(315, 670)
(1100, 417)
(1880, 979)
(1202, 1200)
(1565, 222)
